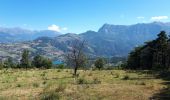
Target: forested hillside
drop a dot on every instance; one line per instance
(154, 54)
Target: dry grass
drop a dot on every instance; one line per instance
(96, 85)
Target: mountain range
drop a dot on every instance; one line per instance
(9, 35)
(109, 40)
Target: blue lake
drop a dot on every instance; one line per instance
(57, 62)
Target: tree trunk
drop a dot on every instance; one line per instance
(75, 71)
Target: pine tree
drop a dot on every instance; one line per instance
(133, 61)
(153, 55)
(159, 61)
(25, 63)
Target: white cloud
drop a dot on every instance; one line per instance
(158, 18)
(54, 27)
(65, 29)
(140, 17)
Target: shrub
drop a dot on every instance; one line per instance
(90, 74)
(60, 88)
(66, 70)
(51, 95)
(35, 85)
(99, 63)
(18, 85)
(41, 62)
(81, 81)
(140, 83)
(164, 74)
(44, 78)
(43, 74)
(61, 66)
(111, 73)
(117, 75)
(96, 81)
(126, 77)
(77, 75)
(44, 82)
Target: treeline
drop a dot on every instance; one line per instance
(37, 62)
(154, 54)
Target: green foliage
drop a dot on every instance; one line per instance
(117, 59)
(61, 66)
(51, 95)
(35, 85)
(1, 65)
(99, 63)
(9, 63)
(47, 63)
(117, 75)
(18, 85)
(61, 87)
(140, 83)
(153, 55)
(25, 63)
(37, 61)
(81, 81)
(126, 77)
(41, 62)
(134, 59)
(96, 81)
(58, 70)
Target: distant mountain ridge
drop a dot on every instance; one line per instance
(10, 35)
(109, 40)
(112, 40)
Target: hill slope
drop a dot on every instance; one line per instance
(109, 40)
(11, 35)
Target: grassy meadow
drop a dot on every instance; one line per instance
(53, 84)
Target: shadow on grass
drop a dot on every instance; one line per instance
(142, 78)
(148, 72)
(163, 94)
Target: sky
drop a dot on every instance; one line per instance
(78, 16)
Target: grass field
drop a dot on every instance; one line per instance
(38, 84)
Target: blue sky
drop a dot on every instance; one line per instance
(77, 16)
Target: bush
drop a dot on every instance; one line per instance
(35, 85)
(140, 83)
(58, 70)
(18, 85)
(99, 63)
(41, 62)
(51, 95)
(44, 82)
(61, 66)
(66, 70)
(90, 74)
(43, 74)
(164, 75)
(96, 81)
(81, 81)
(117, 75)
(126, 77)
(60, 88)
